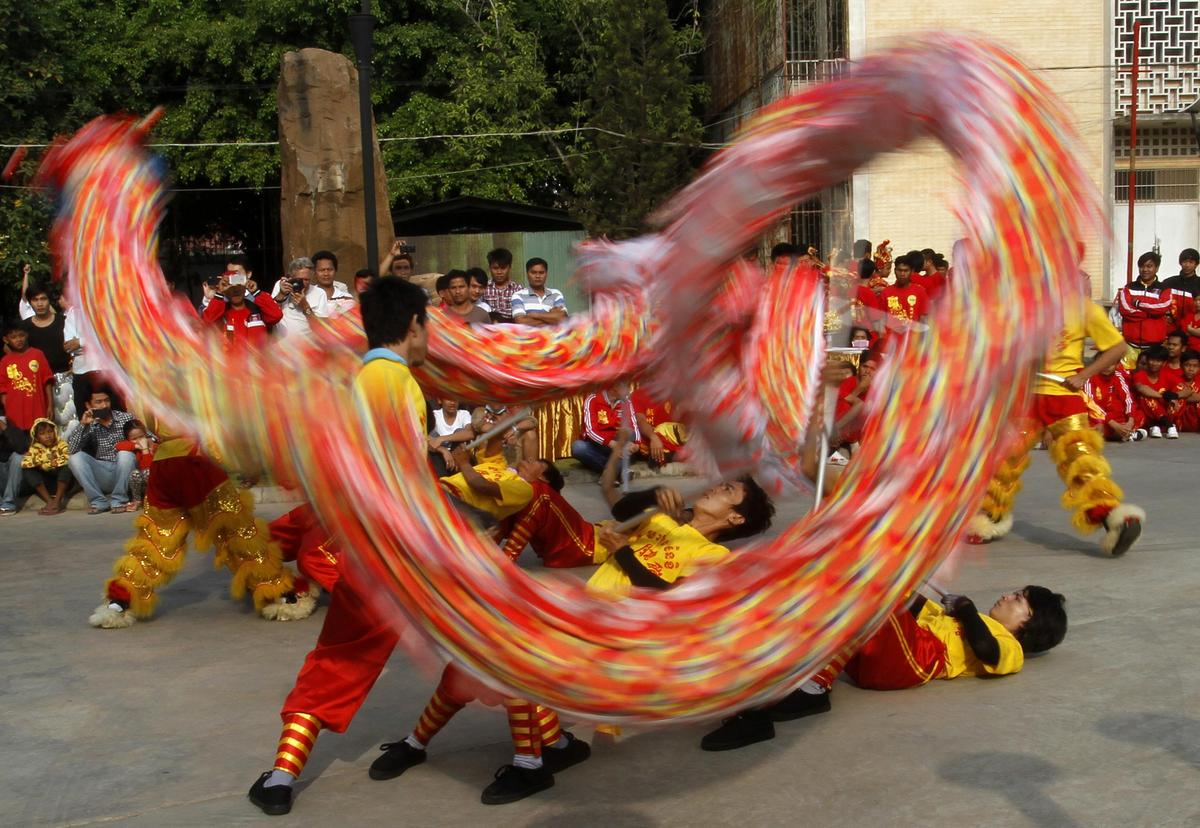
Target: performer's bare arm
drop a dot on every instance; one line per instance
(477, 482)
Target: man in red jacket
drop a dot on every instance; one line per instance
(246, 317)
(1145, 307)
(602, 416)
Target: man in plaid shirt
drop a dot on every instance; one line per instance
(499, 292)
(101, 470)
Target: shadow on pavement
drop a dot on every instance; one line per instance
(1056, 541)
(1018, 777)
(1177, 734)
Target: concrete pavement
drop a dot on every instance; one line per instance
(171, 721)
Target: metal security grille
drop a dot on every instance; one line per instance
(1160, 185)
(825, 222)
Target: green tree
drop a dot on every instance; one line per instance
(635, 71)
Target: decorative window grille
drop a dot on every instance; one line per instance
(1169, 71)
(1155, 141)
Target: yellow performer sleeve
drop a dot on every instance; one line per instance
(960, 660)
(667, 549)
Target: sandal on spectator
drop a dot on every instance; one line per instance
(51, 509)
(92, 510)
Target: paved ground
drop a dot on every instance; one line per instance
(171, 721)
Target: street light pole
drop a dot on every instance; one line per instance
(362, 27)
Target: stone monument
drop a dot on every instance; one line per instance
(321, 195)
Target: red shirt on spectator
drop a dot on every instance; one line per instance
(601, 420)
(1165, 381)
(246, 324)
(23, 380)
(909, 304)
(144, 458)
(1112, 394)
(655, 412)
(1191, 320)
(933, 283)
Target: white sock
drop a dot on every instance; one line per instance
(812, 688)
(278, 778)
(414, 742)
(562, 742)
(523, 760)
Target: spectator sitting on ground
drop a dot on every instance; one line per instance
(538, 304)
(520, 441)
(451, 425)
(458, 300)
(398, 262)
(101, 470)
(46, 466)
(1111, 393)
(661, 432)
(27, 391)
(1176, 344)
(500, 291)
(246, 320)
(339, 296)
(601, 419)
(1154, 387)
(142, 445)
(1187, 415)
(299, 299)
(477, 282)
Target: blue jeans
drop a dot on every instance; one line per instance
(105, 482)
(12, 481)
(592, 455)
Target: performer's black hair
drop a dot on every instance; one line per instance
(1047, 627)
(389, 305)
(552, 475)
(757, 509)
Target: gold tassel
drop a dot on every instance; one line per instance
(152, 557)
(1078, 453)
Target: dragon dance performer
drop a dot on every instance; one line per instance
(189, 493)
(1075, 447)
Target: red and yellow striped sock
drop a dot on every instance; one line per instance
(549, 729)
(527, 741)
(296, 742)
(440, 710)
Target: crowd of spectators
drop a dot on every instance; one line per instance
(65, 425)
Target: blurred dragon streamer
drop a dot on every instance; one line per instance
(776, 612)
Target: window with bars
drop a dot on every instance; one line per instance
(1160, 185)
(824, 221)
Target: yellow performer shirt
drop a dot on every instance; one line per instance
(960, 660)
(386, 384)
(515, 493)
(667, 549)
(1067, 357)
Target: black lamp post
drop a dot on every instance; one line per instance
(362, 26)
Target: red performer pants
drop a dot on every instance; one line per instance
(900, 655)
(303, 539)
(553, 529)
(351, 652)
(1155, 412)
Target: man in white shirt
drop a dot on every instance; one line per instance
(538, 304)
(340, 298)
(299, 298)
(451, 424)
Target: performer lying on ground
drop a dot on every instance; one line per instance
(188, 492)
(919, 642)
(1076, 448)
(655, 555)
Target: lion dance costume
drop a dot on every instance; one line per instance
(188, 493)
(1076, 448)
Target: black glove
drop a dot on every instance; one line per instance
(959, 606)
(1170, 396)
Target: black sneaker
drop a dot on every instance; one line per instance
(745, 728)
(1128, 533)
(275, 800)
(396, 759)
(559, 759)
(797, 705)
(514, 783)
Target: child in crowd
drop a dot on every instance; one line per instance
(1111, 393)
(1155, 389)
(916, 644)
(1186, 410)
(138, 440)
(45, 466)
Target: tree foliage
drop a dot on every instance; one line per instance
(441, 67)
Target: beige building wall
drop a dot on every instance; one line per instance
(907, 197)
